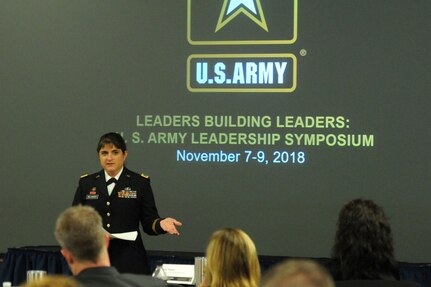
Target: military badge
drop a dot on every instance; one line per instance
(127, 192)
(92, 194)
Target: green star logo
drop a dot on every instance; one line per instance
(232, 8)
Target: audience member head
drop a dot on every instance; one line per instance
(232, 260)
(363, 242)
(53, 281)
(82, 239)
(297, 273)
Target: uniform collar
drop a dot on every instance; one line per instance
(107, 176)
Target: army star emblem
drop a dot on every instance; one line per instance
(232, 8)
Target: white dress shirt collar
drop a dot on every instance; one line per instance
(108, 177)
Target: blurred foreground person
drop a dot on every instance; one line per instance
(232, 260)
(364, 248)
(84, 245)
(53, 281)
(297, 273)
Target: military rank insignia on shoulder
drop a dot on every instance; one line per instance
(84, 175)
(145, 176)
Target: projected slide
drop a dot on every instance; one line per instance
(268, 31)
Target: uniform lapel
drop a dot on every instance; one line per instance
(122, 181)
(101, 184)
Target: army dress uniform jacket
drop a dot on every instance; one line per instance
(130, 203)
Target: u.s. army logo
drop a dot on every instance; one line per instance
(242, 22)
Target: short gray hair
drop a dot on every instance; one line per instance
(297, 273)
(79, 230)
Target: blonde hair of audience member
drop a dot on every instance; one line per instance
(232, 260)
(83, 241)
(53, 281)
(297, 273)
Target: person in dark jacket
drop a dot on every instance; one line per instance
(124, 200)
(84, 244)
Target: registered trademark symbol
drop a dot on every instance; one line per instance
(303, 52)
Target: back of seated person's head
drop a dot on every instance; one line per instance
(297, 273)
(79, 230)
(53, 281)
(363, 245)
(232, 260)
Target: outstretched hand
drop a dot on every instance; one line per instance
(169, 225)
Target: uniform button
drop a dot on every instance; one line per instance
(108, 214)
(108, 203)
(108, 225)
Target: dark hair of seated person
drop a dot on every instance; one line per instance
(363, 247)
